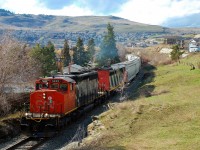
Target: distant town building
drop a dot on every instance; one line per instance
(174, 40)
(193, 46)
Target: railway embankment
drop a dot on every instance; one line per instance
(9, 128)
(10, 123)
(162, 114)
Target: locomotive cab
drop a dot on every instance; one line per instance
(52, 99)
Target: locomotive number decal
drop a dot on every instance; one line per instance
(55, 81)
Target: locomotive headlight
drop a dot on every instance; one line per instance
(44, 95)
(26, 114)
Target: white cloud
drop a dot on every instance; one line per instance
(72, 10)
(157, 11)
(21, 6)
(36, 7)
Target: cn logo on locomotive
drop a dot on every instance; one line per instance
(50, 99)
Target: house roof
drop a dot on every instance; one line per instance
(173, 37)
(73, 68)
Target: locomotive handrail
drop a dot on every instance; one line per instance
(36, 119)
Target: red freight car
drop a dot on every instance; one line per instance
(110, 79)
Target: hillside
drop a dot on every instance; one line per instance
(42, 28)
(162, 114)
(74, 24)
(9, 20)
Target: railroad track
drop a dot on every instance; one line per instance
(29, 143)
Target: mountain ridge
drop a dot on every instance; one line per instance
(40, 29)
(72, 24)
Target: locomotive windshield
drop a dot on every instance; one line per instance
(63, 87)
(54, 84)
(41, 86)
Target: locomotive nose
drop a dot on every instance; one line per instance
(48, 97)
(43, 102)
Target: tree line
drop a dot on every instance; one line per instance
(21, 63)
(41, 60)
(78, 54)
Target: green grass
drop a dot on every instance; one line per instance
(168, 119)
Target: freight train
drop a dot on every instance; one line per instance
(58, 99)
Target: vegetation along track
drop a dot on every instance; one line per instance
(29, 143)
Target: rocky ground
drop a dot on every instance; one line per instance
(9, 128)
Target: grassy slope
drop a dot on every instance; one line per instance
(169, 119)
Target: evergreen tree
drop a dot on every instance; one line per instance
(51, 58)
(91, 50)
(46, 58)
(80, 49)
(109, 52)
(75, 56)
(80, 56)
(66, 54)
(176, 53)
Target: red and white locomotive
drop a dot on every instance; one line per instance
(56, 99)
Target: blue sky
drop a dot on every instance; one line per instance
(98, 6)
(143, 11)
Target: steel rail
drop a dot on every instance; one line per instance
(23, 144)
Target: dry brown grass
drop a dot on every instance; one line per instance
(198, 65)
(152, 55)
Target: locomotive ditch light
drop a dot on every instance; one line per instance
(46, 115)
(26, 114)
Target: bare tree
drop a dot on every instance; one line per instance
(16, 66)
